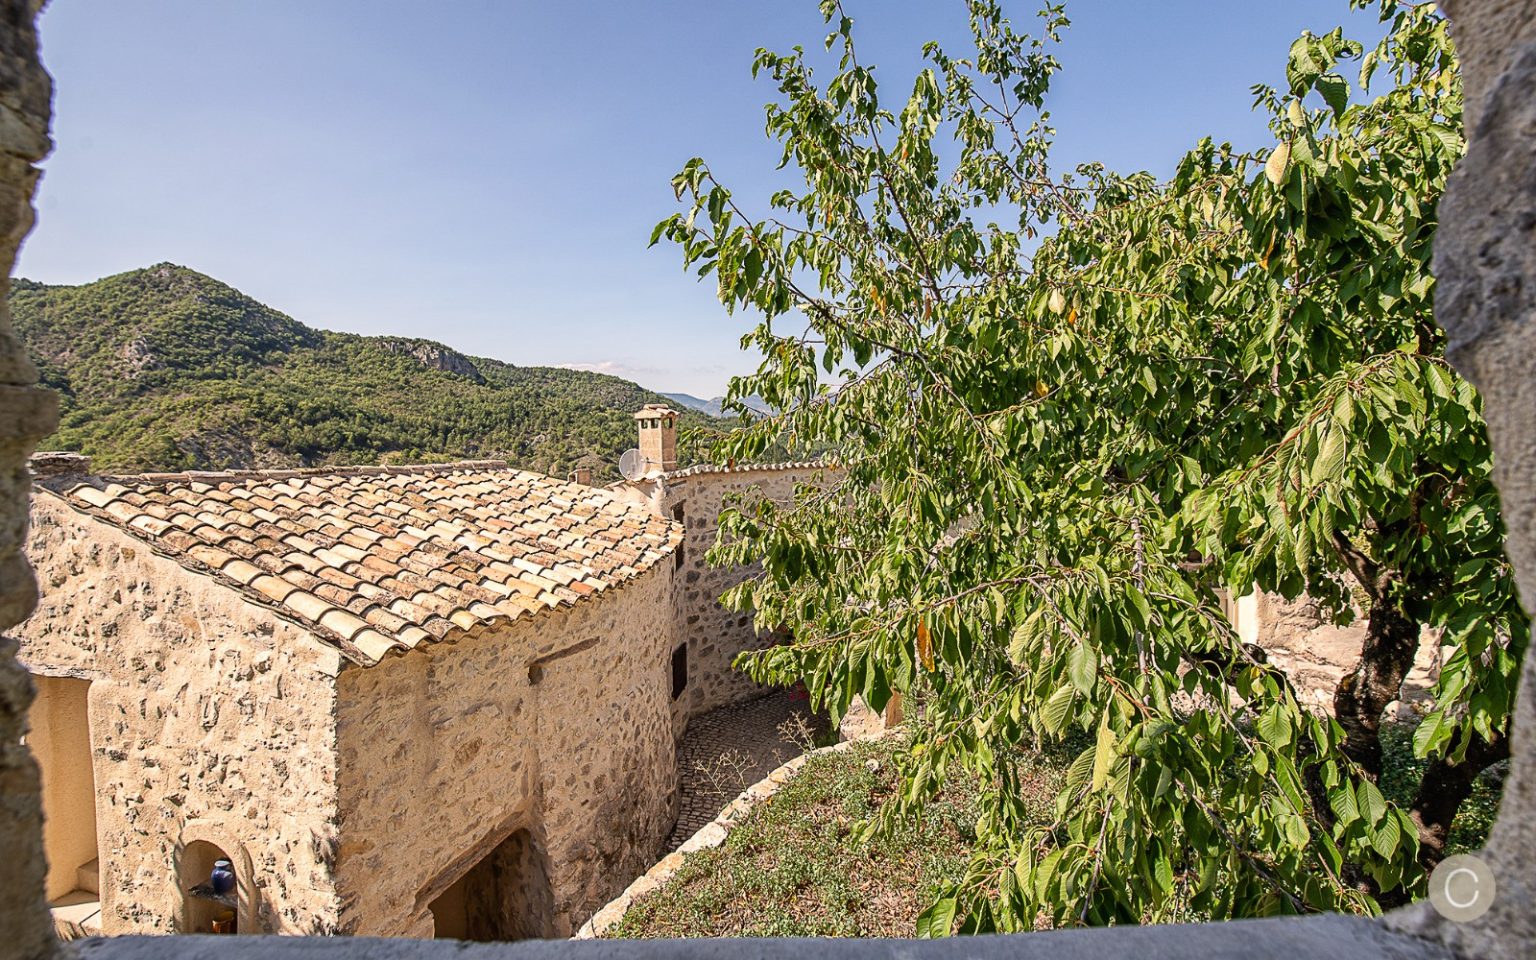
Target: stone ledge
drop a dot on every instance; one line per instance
(1291, 938)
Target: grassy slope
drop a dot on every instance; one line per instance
(165, 368)
(791, 869)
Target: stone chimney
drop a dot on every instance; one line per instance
(582, 475)
(57, 463)
(658, 436)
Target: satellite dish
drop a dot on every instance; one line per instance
(631, 464)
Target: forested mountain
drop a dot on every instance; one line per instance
(713, 407)
(167, 369)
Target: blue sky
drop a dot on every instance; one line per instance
(488, 176)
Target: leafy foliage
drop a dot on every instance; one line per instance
(167, 369)
(1074, 413)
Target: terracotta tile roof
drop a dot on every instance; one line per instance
(383, 559)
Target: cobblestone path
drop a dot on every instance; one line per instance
(729, 749)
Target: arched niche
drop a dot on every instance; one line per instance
(202, 843)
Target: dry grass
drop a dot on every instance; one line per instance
(793, 868)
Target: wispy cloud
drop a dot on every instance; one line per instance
(705, 380)
(613, 368)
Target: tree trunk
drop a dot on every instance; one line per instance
(1445, 787)
(1386, 656)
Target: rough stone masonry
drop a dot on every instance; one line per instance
(384, 694)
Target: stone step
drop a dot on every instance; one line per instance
(76, 915)
(88, 877)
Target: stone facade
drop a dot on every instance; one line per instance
(714, 635)
(1315, 653)
(499, 780)
(557, 726)
(208, 721)
(350, 798)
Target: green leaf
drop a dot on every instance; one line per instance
(1373, 806)
(1330, 457)
(1026, 636)
(1275, 727)
(938, 920)
(1296, 833)
(1335, 91)
(1080, 770)
(1047, 873)
(1057, 709)
(1103, 754)
(1083, 667)
(1385, 837)
(1342, 800)
(1427, 738)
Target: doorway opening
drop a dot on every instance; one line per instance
(59, 736)
(505, 896)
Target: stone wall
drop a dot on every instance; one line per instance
(1300, 638)
(714, 634)
(1485, 300)
(210, 720)
(26, 415)
(557, 725)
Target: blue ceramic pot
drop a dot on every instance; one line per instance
(222, 879)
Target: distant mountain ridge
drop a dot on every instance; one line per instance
(714, 407)
(168, 369)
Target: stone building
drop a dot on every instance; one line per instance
(401, 701)
(709, 635)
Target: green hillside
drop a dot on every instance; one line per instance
(167, 369)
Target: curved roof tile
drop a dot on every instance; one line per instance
(380, 560)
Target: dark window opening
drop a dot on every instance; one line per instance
(679, 670)
(677, 557)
